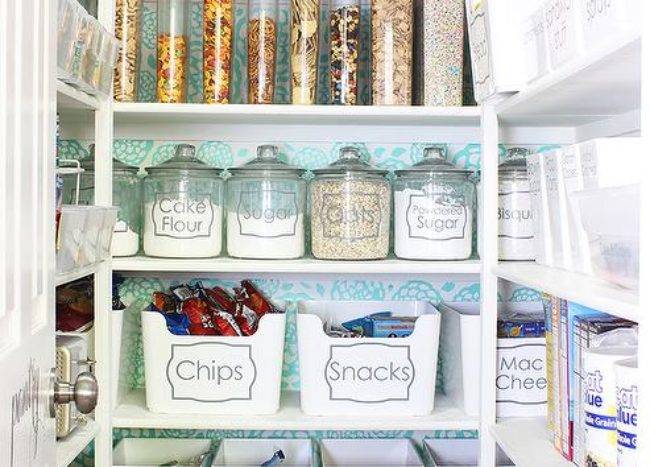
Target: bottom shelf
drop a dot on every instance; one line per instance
(525, 442)
(67, 449)
(133, 413)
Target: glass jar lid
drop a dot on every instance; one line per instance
(515, 161)
(184, 161)
(350, 162)
(88, 164)
(267, 162)
(433, 162)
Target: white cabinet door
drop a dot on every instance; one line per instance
(27, 137)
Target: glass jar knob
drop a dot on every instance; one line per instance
(349, 153)
(267, 152)
(186, 151)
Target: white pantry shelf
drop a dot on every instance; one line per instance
(579, 288)
(133, 413)
(69, 98)
(67, 277)
(304, 265)
(604, 83)
(67, 449)
(525, 442)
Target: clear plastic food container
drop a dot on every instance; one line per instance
(305, 16)
(350, 209)
(173, 51)
(70, 237)
(218, 28)
(611, 219)
(262, 46)
(183, 200)
(265, 204)
(110, 48)
(82, 43)
(345, 44)
(128, 14)
(434, 205)
(69, 22)
(91, 61)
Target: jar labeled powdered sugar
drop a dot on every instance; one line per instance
(183, 208)
(516, 228)
(265, 204)
(434, 204)
(350, 209)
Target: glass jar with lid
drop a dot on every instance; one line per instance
(350, 209)
(516, 229)
(433, 209)
(183, 208)
(127, 196)
(265, 202)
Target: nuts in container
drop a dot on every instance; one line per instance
(217, 50)
(345, 21)
(350, 210)
(262, 46)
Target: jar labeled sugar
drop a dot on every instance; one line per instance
(265, 201)
(516, 229)
(350, 209)
(183, 208)
(434, 204)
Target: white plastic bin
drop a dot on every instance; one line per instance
(213, 374)
(456, 452)
(70, 238)
(461, 363)
(152, 452)
(253, 452)
(369, 452)
(367, 376)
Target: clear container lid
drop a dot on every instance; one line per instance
(88, 164)
(184, 161)
(267, 163)
(515, 161)
(433, 163)
(350, 162)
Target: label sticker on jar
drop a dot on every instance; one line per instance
(211, 372)
(179, 215)
(514, 214)
(358, 219)
(432, 216)
(267, 213)
(369, 373)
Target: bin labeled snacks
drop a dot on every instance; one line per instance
(350, 209)
(367, 375)
(266, 208)
(262, 46)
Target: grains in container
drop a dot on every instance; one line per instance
(305, 15)
(350, 210)
(217, 50)
(262, 46)
(173, 51)
(345, 19)
(127, 32)
(392, 51)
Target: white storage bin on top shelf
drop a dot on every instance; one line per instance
(213, 374)
(152, 452)
(253, 452)
(367, 376)
(369, 452)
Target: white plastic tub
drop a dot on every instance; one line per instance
(213, 374)
(253, 452)
(456, 452)
(369, 452)
(70, 238)
(610, 217)
(152, 452)
(367, 376)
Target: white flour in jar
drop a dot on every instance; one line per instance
(516, 229)
(429, 228)
(179, 226)
(126, 242)
(280, 237)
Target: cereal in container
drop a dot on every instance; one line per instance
(345, 22)
(305, 15)
(262, 46)
(128, 14)
(173, 51)
(217, 50)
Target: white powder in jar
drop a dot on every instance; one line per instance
(516, 229)
(126, 242)
(178, 226)
(281, 238)
(429, 227)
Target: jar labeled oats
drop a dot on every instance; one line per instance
(127, 32)
(305, 15)
(345, 21)
(173, 51)
(217, 50)
(262, 46)
(392, 51)
(350, 210)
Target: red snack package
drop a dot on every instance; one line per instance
(201, 330)
(163, 302)
(247, 321)
(199, 315)
(221, 299)
(254, 299)
(226, 324)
